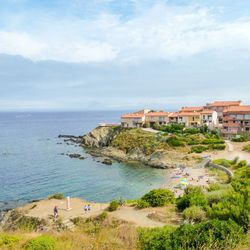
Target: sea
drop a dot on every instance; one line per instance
(34, 164)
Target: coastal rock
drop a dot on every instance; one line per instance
(107, 161)
(100, 137)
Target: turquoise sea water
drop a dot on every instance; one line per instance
(32, 167)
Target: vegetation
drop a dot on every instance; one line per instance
(8, 241)
(240, 138)
(194, 214)
(58, 196)
(171, 136)
(159, 197)
(114, 205)
(142, 204)
(217, 217)
(247, 148)
(43, 242)
(213, 234)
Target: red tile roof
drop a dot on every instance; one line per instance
(191, 109)
(189, 114)
(173, 115)
(134, 115)
(224, 103)
(237, 110)
(160, 113)
(207, 111)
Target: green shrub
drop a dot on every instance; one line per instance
(217, 146)
(146, 125)
(159, 197)
(58, 196)
(194, 214)
(241, 164)
(223, 162)
(8, 241)
(198, 149)
(114, 205)
(156, 126)
(156, 238)
(213, 234)
(241, 138)
(174, 141)
(193, 196)
(43, 242)
(247, 148)
(142, 204)
(27, 223)
(191, 131)
(213, 141)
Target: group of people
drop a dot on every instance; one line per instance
(87, 208)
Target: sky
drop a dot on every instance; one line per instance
(66, 55)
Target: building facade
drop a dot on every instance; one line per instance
(236, 120)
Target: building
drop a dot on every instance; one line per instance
(236, 120)
(209, 118)
(134, 120)
(189, 119)
(160, 117)
(191, 109)
(173, 117)
(220, 106)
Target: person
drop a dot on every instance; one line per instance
(89, 207)
(55, 212)
(85, 208)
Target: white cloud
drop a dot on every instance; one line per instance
(161, 32)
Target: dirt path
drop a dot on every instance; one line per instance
(136, 216)
(44, 209)
(234, 149)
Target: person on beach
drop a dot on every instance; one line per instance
(55, 212)
(85, 209)
(89, 207)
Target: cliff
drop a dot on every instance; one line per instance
(135, 145)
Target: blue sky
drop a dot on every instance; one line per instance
(106, 54)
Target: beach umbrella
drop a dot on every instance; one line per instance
(184, 181)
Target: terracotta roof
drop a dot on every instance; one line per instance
(189, 114)
(160, 113)
(173, 115)
(192, 109)
(134, 115)
(207, 111)
(237, 110)
(224, 103)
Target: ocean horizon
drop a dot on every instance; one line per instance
(32, 165)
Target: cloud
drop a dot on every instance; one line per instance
(162, 31)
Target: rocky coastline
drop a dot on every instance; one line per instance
(98, 143)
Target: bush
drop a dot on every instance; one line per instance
(174, 141)
(142, 204)
(8, 241)
(198, 149)
(58, 196)
(213, 141)
(146, 125)
(223, 162)
(156, 238)
(241, 138)
(217, 146)
(194, 214)
(212, 234)
(27, 223)
(247, 148)
(193, 196)
(159, 197)
(191, 131)
(43, 242)
(113, 205)
(156, 126)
